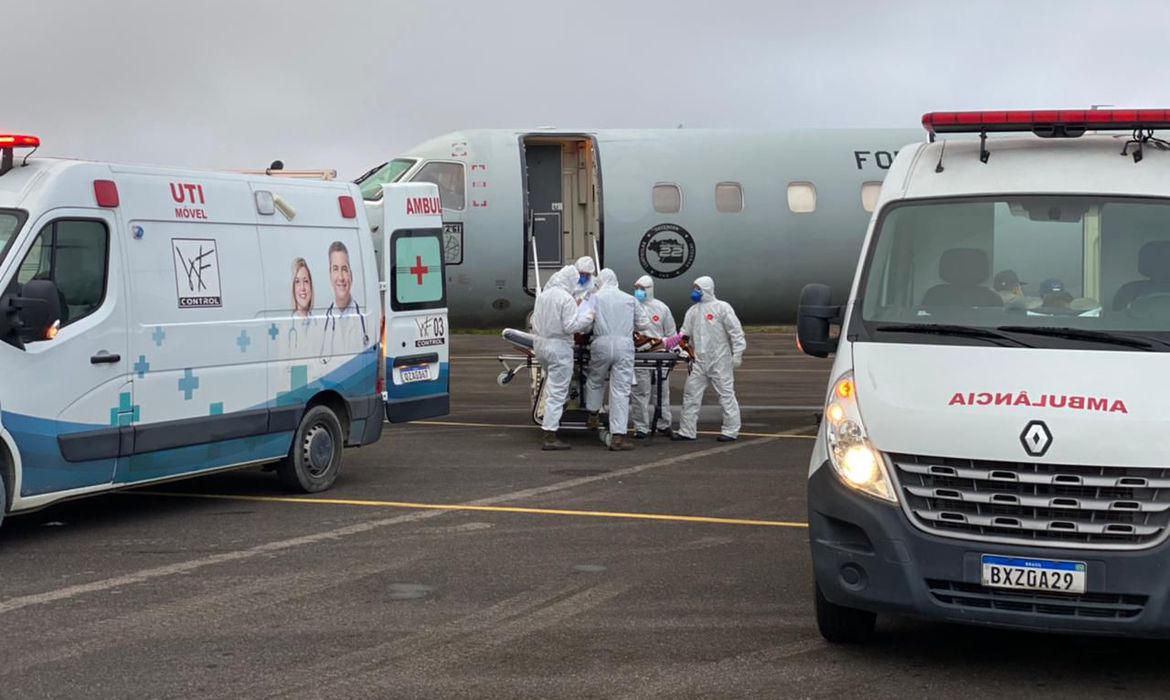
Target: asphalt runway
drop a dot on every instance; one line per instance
(455, 559)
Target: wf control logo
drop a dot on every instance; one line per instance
(196, 273)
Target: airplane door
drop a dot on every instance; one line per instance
(545, 203)
(417, 342)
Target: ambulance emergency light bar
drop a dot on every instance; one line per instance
(1049, 123)
(9, 142)
(1062, 123)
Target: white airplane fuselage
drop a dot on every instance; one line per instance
(577, 190)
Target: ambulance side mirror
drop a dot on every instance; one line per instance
(814, 317)
(32, 313)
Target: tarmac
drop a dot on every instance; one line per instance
(455, 559)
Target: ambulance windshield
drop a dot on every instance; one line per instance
(371, 183)
(1044, 270)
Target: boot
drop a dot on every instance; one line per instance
(593, 422)
(551, 442)
(620, 443)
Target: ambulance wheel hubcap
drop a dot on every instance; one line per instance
(318, 450)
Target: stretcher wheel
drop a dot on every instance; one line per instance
(504, 378)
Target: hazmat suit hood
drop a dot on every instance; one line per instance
(607, 279)
(646, 282)
(707, 286)
(564, 278)
(585, 265)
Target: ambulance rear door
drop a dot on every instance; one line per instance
(416, 345)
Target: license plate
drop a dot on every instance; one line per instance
(415, 374)
(1034, 574)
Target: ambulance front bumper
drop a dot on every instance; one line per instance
(868, 555)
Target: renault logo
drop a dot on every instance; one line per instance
(1036, 438)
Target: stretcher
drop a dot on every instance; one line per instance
(523, 358)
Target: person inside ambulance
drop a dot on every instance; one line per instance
(1011, 290)
(556, 318)
(661, 326)
(717, 339)
(611, 354)
(345, 327)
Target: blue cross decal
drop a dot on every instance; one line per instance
(273, 331)
(243, 341)
(142, 366)
(188, 384)
(125, 412)
(158, 336)
(216, 409)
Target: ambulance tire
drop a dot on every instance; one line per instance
(3, 498)
(315, 458)
(841, 625)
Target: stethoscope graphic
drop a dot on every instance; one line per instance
(294, 334)
(331, 330)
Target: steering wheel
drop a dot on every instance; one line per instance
(1155, 305)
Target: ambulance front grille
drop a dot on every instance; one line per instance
(1090, 605)
(1021, 502)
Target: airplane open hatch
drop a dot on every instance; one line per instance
(562, 178)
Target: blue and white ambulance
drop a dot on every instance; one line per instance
(994, 448)
(160, 323)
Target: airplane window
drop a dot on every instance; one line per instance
(667, 198)
(729, 198)
(869, 195)
(802, 197)
(450, 179)
(371, 183)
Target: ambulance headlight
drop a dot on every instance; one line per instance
(857, 464)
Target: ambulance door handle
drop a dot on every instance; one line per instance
(105, 358)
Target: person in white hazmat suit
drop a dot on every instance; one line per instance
(586, 278)
(555, 319)
(661, 326)
(717, 338)
(611, 354)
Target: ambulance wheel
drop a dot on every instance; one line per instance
(3, 498)
(315, 458)
(841, 625)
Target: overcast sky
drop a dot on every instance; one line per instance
(345, 84)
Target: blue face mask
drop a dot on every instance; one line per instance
(583, 280)
(696, 296)
(640, 294)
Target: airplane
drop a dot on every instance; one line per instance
(763, 213)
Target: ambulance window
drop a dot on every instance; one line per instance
(418, 270)
(667, 198)
(728, 198)
(869, 195)
(371, 183)
(802, 197)
(73, 254)
(9, 224)
(449, 178)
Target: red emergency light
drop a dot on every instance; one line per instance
(17, 141)
(1047, 123)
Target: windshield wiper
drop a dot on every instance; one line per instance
(953, 330)
(1080, 334)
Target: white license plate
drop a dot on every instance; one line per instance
(1033, 574)
(415, 374)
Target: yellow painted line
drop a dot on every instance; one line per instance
(457, 424)
(481, 509)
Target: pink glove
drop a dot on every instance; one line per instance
(672, 342)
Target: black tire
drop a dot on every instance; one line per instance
(314, 460)
(3, 498)
(841, 625)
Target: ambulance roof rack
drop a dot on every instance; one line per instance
(1063, 123)
(9, 143)
(277, 170)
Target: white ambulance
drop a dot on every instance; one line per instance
(995, 446)
(159, 323)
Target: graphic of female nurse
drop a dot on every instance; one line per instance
(302, 297)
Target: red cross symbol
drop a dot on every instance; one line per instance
(419, 269)
(710, 317)
(655, 319)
